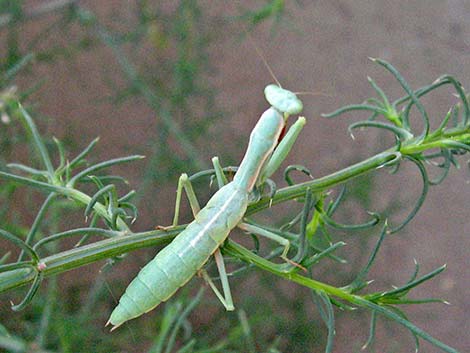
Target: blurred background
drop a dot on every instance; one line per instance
(180, 82)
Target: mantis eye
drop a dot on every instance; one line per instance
(283, 100)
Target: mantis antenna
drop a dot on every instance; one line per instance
(263, 59)
(280, 98)
(283, 100)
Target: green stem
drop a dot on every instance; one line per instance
(458, 135)
(326, 182)
(100, 250)
(245, 254)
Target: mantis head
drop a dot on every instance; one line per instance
(283, 100)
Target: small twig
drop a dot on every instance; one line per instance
(44, 9)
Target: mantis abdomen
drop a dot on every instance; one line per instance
(177, 263)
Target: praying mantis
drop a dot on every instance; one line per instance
(185, 256)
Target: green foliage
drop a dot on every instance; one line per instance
(72, 185)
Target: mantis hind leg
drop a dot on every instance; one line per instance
(226, 298)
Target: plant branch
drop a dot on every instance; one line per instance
(87, 254)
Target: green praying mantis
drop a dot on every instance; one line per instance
(178, 262)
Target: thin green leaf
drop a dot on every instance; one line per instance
(31, 292)
(421, 198)
(329, 320)
(230, 171)
(380, 92)
(374, 101)
(461, 92)
(333, 224)
(15, 266)
(45, 187)
(332, 206)
(188, 347)
(181, 318)
(445, 167)
(29, 170)
(61, 150)
(412, 284)
(94, 221)
(415, 272)
(419, 92)
(127, 196)
(370, 339)
(20, 243)
(404, 322)
(105, 179)
(100, 166)
(326, 252)
(132, 208)
(410, 92)
(401, 133)
(115, 213)
(443, 124)
(360, 281)
(95, 198)
(73, 232)
(5, 257)
(302, 241)
(19, 65)
(455, 115)
(455, 144)
(37, 139)
(79, 158)
(297, 168)
(37, 221)
(352, 107)
(402, 301)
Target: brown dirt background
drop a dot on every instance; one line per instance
(321, 46)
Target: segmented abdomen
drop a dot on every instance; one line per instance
(177, 263)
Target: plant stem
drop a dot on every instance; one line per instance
(87, 254)
(248, 256)
(326, 182)
(457, 135)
